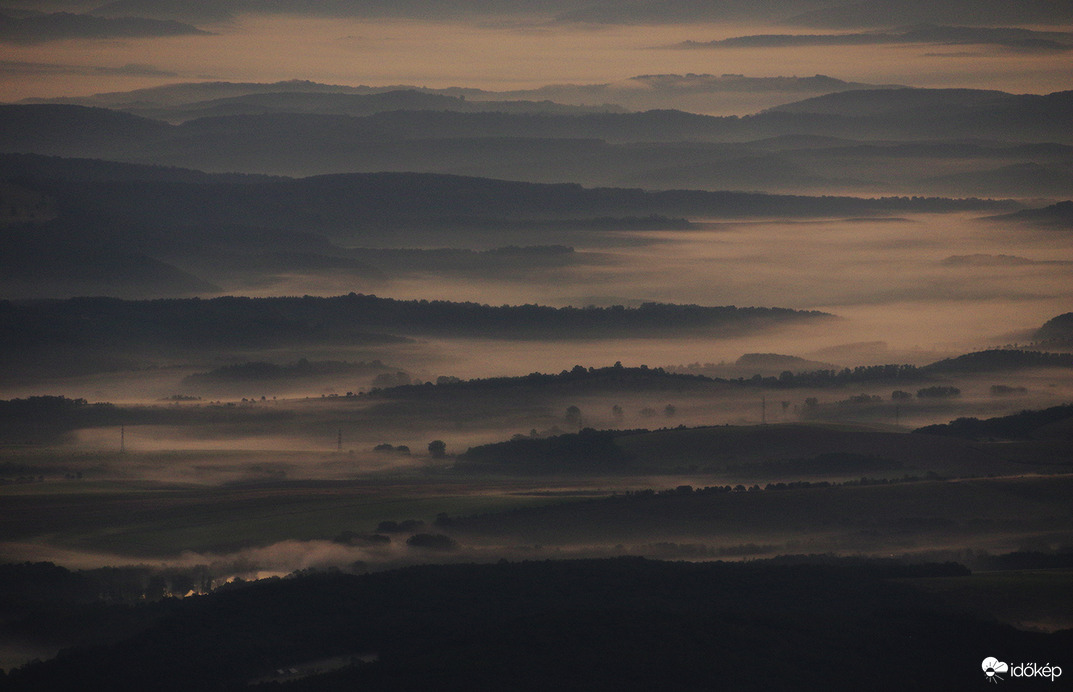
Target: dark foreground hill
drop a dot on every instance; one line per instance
(621, 624)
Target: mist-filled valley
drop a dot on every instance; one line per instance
(517, 346)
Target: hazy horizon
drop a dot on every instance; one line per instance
(501, 56)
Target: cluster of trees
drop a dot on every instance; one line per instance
(615, 377)
(575, 419)
(898, 395)
(839, 378)
(437, 449)
(388, 448)
(938, 392)
(859, 400)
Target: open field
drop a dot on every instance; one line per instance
(139, 521)
(269, 526)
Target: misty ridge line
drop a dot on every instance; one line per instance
(187, 100)
(308, 318)
(404, 115)
(865, 141)
(338, 200)
(677, 378)
(576, 380)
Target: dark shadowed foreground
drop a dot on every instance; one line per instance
(614, 624)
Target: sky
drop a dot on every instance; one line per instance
(494, 54)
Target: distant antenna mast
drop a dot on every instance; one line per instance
(122, 439)
(763, 411)
(339, 441)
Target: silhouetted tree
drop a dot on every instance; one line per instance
(573, 416)
(437, 448)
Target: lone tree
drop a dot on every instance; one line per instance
(438, 449)
(573, 416)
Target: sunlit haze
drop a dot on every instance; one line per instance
(507, 345)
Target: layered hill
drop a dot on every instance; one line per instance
(233, 230)
(960, 142)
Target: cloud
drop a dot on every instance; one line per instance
(136, 70)
(19, 67)
(59, 26)
(871, 13)
(892, 13)
(1024, 40)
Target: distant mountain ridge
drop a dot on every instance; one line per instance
(544, 145)
(182, 101)
(873, 102)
